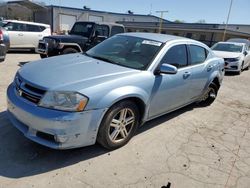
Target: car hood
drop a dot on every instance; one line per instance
(71, 72)
(68, 38)
(224, 54)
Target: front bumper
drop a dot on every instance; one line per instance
(42, 48)
(52, 128)
(232, 66)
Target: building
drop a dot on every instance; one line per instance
(61, 20)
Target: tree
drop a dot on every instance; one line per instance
(202, 21)
(179, 21)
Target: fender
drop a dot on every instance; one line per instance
(62, 45)
(122, 93)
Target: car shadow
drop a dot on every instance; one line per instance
(231, 74)
(20, 157)
(21, 51)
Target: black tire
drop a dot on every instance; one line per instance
(210, 95)
(70, 51)
(106, 131)
(43, 56)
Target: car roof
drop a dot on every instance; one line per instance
(239, 40)
(156, 36)
(26, 22)
(231, 43)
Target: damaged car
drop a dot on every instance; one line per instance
(105, 94)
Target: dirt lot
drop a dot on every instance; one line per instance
(193, 147)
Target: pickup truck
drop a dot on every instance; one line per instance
(83, 36)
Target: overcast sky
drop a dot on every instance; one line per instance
(212, 11)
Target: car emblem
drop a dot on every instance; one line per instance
(20, 92)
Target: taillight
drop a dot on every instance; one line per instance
(1, 35)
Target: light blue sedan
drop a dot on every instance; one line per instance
(105, 94)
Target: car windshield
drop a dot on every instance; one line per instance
(81, 28)
(128, 51)
(228, 47)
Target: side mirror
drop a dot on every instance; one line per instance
(168, 69)
(245, 53)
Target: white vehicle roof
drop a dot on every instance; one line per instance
(26, 22)
(237, 43)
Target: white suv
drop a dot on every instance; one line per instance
(26, 34)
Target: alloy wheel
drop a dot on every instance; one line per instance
(121, 125)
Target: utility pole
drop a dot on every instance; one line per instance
(228, 16)
(162, 12)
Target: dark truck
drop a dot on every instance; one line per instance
(83, 36)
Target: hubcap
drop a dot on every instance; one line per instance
(210, 93)
(121, 125)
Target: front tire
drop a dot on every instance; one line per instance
(118, 125)
(210, 95)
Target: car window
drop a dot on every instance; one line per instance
(11, 26)
(228, 47)
(116, 29)
(197, 54)
(102, 30)
(128, 51)
(176, 56)
(33, 28)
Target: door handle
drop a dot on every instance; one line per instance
(209, 68)
(186, 75)
(20, 34)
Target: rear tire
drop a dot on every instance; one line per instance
(118, 125)
(210, 95)
(70, 51)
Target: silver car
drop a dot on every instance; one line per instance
(105, 94)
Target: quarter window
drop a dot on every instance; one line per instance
(176, 56)
(197, 54)
(116, 29)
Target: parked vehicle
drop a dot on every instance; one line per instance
(83, 36)
(240, 40)
(26, 35)
(4, 43)
(236, 55)
(105, 94)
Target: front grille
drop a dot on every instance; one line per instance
(41, 46)
(27, 91)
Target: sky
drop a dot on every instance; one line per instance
(212, 11)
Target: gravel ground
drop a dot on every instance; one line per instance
(192, 147)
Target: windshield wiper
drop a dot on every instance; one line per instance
(101, 58)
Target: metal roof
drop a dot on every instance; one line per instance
(28, 4)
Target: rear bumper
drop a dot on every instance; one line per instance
(52, 128)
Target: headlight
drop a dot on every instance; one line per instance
(64, 100)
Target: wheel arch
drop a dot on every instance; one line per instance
(71, 45)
